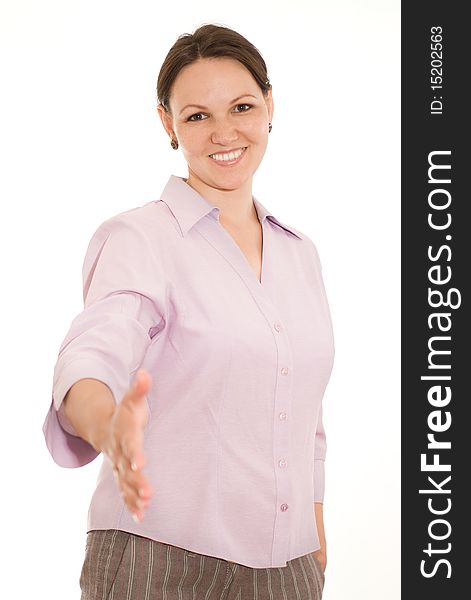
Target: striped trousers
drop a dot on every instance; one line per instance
(122, 566)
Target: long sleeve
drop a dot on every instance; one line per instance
(320, 447)
(320, 442)
(123, 293)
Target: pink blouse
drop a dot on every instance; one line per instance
(235, 444)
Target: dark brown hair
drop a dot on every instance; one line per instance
(209, 41)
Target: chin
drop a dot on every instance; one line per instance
(232, 181)
(223, 177)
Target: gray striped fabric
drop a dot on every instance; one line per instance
(123, 566)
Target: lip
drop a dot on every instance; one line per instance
(227, 151)
(227, 163)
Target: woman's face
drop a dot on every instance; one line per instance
(217, 108)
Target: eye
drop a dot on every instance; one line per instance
(191, 118)
(249, 106)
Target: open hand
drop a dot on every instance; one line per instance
(123, 445)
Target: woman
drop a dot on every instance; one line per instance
(212, 480)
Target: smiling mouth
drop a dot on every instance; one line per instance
(229, 156)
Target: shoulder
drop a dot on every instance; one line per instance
(144, 217)
(306, 244)
(147, 223)
(305, 240)
(126, 245)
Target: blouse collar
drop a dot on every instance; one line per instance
(188, 206)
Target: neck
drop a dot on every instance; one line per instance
(236, 207)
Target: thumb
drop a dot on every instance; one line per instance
(142, 384)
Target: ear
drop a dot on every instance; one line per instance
(166, 119)
(270, 104)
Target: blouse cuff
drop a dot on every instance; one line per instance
(319, 480)
(63, 443)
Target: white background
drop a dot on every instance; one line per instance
(81, 141)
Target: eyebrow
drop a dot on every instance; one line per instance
(205, 107)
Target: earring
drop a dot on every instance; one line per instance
(269, 127)
(174, 144)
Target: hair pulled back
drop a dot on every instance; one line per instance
(209, 41)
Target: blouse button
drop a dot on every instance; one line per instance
(282, 416)
(284, 507)
(284, 371)
(277, 326)
(282, 462)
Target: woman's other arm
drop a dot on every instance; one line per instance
(320, 554)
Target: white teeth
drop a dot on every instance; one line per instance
(230, 156)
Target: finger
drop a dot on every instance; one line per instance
(131, 495)
(134, 479)
(137, 460)
(137, 495)
(137, 482)
(132, 452)
(134, 504)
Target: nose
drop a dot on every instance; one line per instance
(224, 133)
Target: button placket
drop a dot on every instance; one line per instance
(281, 402)
(282, 441)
